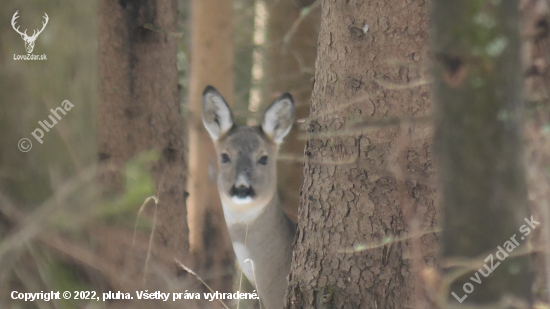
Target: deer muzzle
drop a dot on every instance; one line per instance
(242, 192)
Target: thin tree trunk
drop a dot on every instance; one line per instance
(289, 67)
(244, 50)
(536, 59)
(211, 64)
(478, 87)
(139, 110)
(356, 193)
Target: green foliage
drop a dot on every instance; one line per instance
(483, 34)
(139, 184)
(64, 278)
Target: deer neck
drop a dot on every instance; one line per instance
(262, 240)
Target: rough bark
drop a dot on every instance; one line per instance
(365, 184)
(211, 64)
(139, 110)
(289, 67)
(478, 87)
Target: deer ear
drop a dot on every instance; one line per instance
(278, 118)
(216, 115)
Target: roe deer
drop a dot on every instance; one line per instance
(247, 181)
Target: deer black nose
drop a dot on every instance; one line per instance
(242, 192)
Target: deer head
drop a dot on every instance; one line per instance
(247, 155)
(29, 40)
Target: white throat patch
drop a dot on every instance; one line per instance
(241, 201)
(245, 215)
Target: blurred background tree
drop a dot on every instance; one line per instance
(139, 112)
(290, 51)
(211, 64)
(478, 88)
(78, 212)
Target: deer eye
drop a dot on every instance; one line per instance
(263, 160)
(225, 158)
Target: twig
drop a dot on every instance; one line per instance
(31, 227)
(189, 270)
(339, 108)
(241, 278)
(365, 126)
(155, 28)
(466, 265)
(254, 275)
(392, 86)
(385, 241)
(152, 197)
(303, 14)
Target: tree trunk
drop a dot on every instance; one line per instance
(289, 67)
(244, 50)
(139, 110)
(365, 186)
(478, 86)
(211, 64)
(536, 60)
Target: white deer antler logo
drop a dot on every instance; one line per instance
(29, 40)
